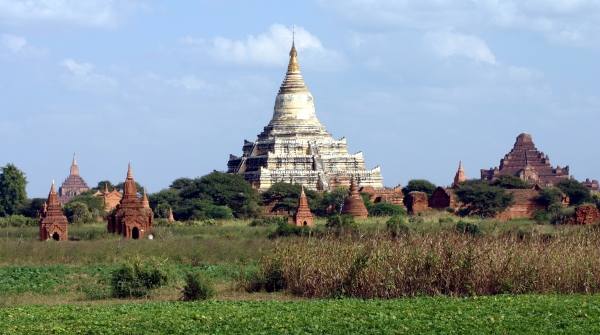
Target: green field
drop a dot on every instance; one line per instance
(524, 314)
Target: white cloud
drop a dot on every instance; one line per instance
(83, 78)
(190, 83)
(87, 13)
(570, 22)
(12, 46)
(446, 44)
(12, 42)
(270, 49)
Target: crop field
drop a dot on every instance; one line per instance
(50, 287)
(524, 314)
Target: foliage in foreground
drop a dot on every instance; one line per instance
(198, 286)
(446, 262)
(525, 314)
(137, 277)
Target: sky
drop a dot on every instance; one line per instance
(174, 87)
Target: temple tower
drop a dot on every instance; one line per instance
(133, 218)
(295, 147)
(354, 204)
(73, 185)
(303, 216)
(53, 223)
(460, 176)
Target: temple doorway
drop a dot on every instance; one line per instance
(135, 233)
(55, 237)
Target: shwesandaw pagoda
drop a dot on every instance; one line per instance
(295, 147)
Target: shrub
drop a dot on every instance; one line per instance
(540, 216)
(267, 221)
(446, 220)
(198, 287)
(560, 215)
(270, 279)
(420, 185)
(450, 210)
(345, 221)
(416, 219)
(18, 221)
(287, 229)
(94, 291)
(577, 192)
(397, 226)
(211, 222)
(137, 277)
(385, 209)
(468, 228)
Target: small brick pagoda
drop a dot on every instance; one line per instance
(460, 176)
(133, 217)
(354, 204)
(526, 162)
(53, 223)
(73, 185)
(303, 216)
(295, 147)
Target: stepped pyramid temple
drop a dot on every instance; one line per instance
(295, 148)
(73, 185)
(526, 162)
(133, 217)
(53, 223)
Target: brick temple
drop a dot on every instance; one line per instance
(529, 164)
(53, 223)
(295, 147)
(73, 185)
(133, 216)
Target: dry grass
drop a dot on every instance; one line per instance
(441, 262)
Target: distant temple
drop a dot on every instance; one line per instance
(295, 148)
(354, 203)
(133, 217)
(73, 185)
(526, 162)
(303, 215)
(460, 176)
(53, 223)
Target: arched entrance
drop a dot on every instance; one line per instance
(55, 237)
(135, 233)
(305, 223)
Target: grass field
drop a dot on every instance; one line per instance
(523, 314)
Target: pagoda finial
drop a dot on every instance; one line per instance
(145, 203)
(293, 65)
(52, 189)
(129, 173)
(74, 159)
(105, 188)
(74, 167)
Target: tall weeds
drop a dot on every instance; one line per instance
(444, 262)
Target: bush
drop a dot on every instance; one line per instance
(287, 229)
(345, 221)
(577, 192)
(269, 279)
(198, 287)
(385, 209)
(397, 226)
(540, 216)
(267, 221)
(18, 221)
(560, 215)
(468, 228)
(446, 220)
(416, 219)
(94, 291)
(450, 210)
(137, 277)
(211, 222)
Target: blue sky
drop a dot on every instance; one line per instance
(174, 87)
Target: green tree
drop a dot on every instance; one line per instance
(386, 209)
(222, 189)
(596, 199)
(95, 205)
(286, 196)
(165, 196)
(162, 210)
(481, 198)
(511, 182)
(12, 189)
(577, 192)
(30, 207)
(334, 199)
(181, 183)
(101, 184)
(549, 196)
(77, 212)
(420, 185)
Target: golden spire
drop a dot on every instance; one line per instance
(293, 65)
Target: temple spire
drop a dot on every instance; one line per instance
(74, 168)
(129, 173)
(145, 203)
(293, 65)
(460, 176)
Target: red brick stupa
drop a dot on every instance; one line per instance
(53, 224)
(73, 185)
(133, 217)
(354, 204)
(303, 216)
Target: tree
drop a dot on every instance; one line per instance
(77, 212)
(168, 196)
(181, 183)
(162, 210)
(335, 199)
(222, 189)
(480, 198)
(120, 186)
(286, 197)
(12, 189)
(549, 196)
(386, 209)
(511, 182)
(420, 185)
(30, 207)
(577, 192)
(95, 205)
(101, 185)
